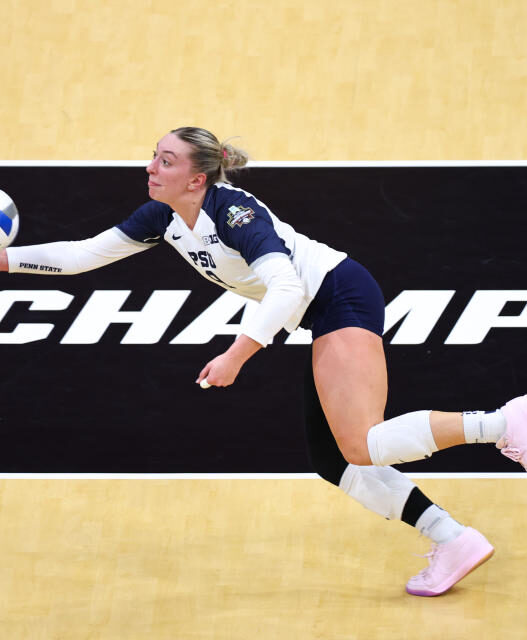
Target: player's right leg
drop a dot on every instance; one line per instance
(456, 550)
(350, 375)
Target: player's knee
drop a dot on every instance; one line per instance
(354, 445)
(358, 457)
(355, 451)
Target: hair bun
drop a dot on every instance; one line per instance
(210, 157)
(233, 158)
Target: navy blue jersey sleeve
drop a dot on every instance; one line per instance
(148, 223)
(246, 226)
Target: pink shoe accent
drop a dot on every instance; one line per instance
(513, 443)
(450, 562)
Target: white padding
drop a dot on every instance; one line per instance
(383, 490)
(402, 439)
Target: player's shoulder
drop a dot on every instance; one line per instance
(231, 206)
(149, 221)
(153, 214)
(152, 209)
(242, 222)
(221, 195)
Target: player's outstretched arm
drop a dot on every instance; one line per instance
(69, 258)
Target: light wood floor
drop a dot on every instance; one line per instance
(238, 559)
(297, 79)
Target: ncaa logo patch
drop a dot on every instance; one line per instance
(239, 216)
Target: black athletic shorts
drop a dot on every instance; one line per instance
(349, 296)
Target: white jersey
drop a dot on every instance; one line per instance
(236, 242)
(234, 233)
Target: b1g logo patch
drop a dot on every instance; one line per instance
(239, 216)
(211, 239)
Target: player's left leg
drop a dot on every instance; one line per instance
(350, 376)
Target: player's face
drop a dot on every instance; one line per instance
(171, 175)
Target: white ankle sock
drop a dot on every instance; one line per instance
(438, 525)
(481, 426)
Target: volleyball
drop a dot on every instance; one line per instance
(8, 220)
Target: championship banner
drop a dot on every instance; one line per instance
(99, 369)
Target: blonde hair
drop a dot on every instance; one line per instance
(209, 155)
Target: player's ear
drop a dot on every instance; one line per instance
(197, 181)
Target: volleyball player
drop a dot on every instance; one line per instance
(234, 240)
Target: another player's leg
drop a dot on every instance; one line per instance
(389, 493)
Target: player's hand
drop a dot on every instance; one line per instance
(4, 264)
(220, 372)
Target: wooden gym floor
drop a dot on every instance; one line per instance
(297, 80)
(236, 559)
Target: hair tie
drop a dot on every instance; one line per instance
(225, 154)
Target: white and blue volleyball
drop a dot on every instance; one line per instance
(8, 220)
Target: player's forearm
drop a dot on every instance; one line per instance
(51, 258)
(69, 258)
(243, 348)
